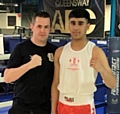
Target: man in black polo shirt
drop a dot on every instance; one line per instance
(31, 69)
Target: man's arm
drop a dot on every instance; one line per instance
(54, 90)
(12, 74)
(100, 63)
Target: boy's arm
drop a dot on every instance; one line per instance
(100, 63)
(54, 90)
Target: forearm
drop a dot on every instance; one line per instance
(54, 98)
(108, 78)
(12, 74)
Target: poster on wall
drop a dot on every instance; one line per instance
(113, 95)
(60, 9)
(117, 21)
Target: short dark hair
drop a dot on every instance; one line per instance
(80, 13)
(43, 14)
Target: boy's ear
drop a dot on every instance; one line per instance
(50, 29)
(88, 26)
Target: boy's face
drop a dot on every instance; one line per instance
(78, 28)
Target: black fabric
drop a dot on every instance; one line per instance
(2, 68)
(33, 88)
(42, 109)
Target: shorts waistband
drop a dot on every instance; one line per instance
(77, 100)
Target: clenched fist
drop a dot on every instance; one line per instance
(35, 61)
(96, 64)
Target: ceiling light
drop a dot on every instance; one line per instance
(1, 4)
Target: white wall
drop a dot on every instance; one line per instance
(26, 20)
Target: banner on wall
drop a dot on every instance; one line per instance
(117, 22)
(60, 9)
(113, 95)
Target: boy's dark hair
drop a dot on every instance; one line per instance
(80, 13)
(43, 14)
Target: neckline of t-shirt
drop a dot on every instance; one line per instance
(78, 50)
(37, 45)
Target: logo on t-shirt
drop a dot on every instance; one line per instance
(74, 63)
(50, 56)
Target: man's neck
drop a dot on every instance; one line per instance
(38, 42)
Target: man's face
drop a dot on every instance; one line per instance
(41, 28)
(78, 28)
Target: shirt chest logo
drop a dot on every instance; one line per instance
(74, 64)
(50, 57)
(74, 61)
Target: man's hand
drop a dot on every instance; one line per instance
(35, 61)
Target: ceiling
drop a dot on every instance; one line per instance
(26, 5)
(11, 1)
(21, 1)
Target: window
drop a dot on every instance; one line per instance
(11, 20)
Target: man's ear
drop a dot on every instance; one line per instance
(31, 26)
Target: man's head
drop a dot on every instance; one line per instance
(79, 22)
(40, 26)
(42, 14)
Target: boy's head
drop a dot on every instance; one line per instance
(79, 13)
(79, 23)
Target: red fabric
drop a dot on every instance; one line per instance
(66, 109)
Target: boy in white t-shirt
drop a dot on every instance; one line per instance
(76, 67)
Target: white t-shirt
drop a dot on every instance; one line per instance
(76, 77)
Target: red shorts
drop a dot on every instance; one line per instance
(67, 109)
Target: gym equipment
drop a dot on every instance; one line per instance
(25, 32)
(10, 42)
(6, 39)
(58, 39)
(57, 42)
(13, 42)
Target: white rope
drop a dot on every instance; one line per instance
(5, 104)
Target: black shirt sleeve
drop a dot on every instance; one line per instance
(15, 58)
